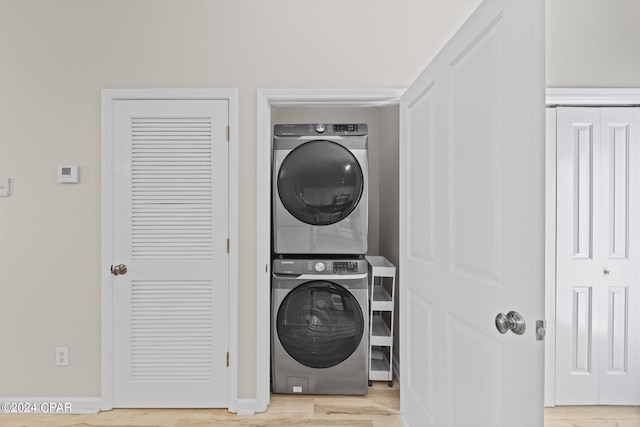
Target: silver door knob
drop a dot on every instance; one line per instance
(511, 321)
(118, 269)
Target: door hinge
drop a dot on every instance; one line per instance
(541, 330)
(227, 359)
(228, 131)
(228, 245)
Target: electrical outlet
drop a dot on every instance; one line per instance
(62, 356)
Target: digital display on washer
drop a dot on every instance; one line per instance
(345, 128)
(345, 266)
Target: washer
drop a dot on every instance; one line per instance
(319, 329)
(320, 185)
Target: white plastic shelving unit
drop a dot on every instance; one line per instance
(382, 276)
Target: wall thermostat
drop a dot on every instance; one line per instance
(68, 174)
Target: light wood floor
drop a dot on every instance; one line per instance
(380, 408)
(592, 416)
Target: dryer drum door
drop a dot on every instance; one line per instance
(320, 182)
(320, 324)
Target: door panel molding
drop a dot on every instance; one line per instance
(592, 97)
(418, 374)
(109, 96)
(583, 189)
(422, 216)
(485, 394)
(618, 190)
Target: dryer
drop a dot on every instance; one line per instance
(319, 330)
(320, 187)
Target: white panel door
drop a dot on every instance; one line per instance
(170, 228)
(472, 224)
(598, 259)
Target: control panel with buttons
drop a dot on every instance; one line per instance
(345, 128)
(317, 129)
(338, 267)
(320, 266)
(345, 267)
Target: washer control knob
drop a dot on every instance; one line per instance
(320, 128)
(319, 267)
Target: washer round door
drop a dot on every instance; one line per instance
(320, 182)
(320, 324)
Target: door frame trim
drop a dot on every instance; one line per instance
(555, 97)
(108, 98)
(267, 98)
(593, 97)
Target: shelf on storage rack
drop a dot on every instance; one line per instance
(381, 307)
(381, 299)
(381, 266)
(380, 332)
(380, 366)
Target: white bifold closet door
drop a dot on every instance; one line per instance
(598, 256)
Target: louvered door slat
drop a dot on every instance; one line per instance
(166, 176)
(158, 325)
(171, 220)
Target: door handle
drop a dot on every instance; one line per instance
(118, 269)
(511, 321)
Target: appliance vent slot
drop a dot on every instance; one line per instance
(171, 331)
(171, 169)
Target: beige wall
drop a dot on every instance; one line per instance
(389, 188)
(593, 43)
(55, 57)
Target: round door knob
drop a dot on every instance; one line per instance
(118, 269)
(511, 321)
(319, 267)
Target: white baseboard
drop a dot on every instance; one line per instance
(50, 405)
(246, 407)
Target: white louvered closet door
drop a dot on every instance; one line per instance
(170, 214)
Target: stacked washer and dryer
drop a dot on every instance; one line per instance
(319, 330)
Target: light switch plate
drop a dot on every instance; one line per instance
(4, 187)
